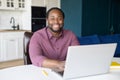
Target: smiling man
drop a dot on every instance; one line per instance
(48, 46)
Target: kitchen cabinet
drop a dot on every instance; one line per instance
(11, 45)
(46, 3)
(12, 4)
(0, 48)
(38, 3)
(1, 4)
(52, 3)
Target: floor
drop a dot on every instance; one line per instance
(11, 63)
(21, 62)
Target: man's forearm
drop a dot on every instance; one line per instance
(54, 64)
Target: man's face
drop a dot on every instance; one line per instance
(55, 21)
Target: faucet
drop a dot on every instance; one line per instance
(12, 20)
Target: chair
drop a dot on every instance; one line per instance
(26, 39)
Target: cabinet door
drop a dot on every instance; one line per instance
(20, 4)
(52, 3)
(9, 4)
(10, 48)
(38, 3)
(20, 47)
(0, 48)
(12, 4)
(2, 2)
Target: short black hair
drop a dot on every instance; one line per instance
(55, 8)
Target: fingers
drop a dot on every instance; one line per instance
(61, 66)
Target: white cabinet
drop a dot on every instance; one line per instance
(46, 3)
(0, 48)
(38, 2)
(11, 45)
(52, 3)
(1, 4)
(12, 4)
(20, 4)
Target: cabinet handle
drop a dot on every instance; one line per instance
(12, 40)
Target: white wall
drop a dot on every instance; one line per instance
(5, 17)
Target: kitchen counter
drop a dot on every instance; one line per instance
(10, 30)
(11, 44)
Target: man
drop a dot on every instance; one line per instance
(48, 46)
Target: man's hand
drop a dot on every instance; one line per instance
(60, 66)
(55, 65)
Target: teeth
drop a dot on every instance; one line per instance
(56, 25)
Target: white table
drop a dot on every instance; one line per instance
(114, 74)
(30, 72)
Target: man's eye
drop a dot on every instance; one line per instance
(60, 18)
(52, 19)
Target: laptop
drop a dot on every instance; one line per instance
(87, 60)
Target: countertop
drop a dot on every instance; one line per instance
(10, 30)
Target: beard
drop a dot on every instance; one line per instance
(56, 31)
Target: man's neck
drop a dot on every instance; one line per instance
(55, 34)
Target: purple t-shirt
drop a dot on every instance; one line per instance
(44, 45)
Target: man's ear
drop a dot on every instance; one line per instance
(46, 21)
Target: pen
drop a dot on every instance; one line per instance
(44, 73)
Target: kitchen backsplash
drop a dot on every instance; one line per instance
(5, 17)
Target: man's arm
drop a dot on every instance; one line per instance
(54, 64)
(39, 59)
(74, 40)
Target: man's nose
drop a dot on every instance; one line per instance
(56, 21)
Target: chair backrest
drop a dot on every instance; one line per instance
(26, 40)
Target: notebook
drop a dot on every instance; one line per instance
(87, 60)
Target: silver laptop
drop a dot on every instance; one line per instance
(86, 60)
